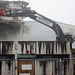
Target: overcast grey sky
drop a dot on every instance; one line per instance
(58, 10)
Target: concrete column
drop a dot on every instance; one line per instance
(5, 70)
(24, 51)
(40, 68)
(13, 51)
(0, 47)
(54, 47)
(68, 48)
(37, 49)
(34, 47)
(10, 49)
(15, 65)
(19, 51)
(51, 67)
(44, 49)
(64, 48)
(71, 67)
(37, 68)
(57, 67)
(63, 67)
(11, 68)
(50, 48)
(16, 48)
(59, 48)
(28, 47)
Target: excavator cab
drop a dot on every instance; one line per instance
(65, 38)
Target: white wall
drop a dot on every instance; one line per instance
(38, 32)
(67, 28)
(29, 31)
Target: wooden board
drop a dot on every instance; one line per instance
(23, 67)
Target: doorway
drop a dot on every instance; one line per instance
(26, 67)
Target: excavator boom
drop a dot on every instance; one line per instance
(14, 12)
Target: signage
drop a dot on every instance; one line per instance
(27, 67)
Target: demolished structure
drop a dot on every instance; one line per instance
(22, 54)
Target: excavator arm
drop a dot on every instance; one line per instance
(47, 22)
(37, 17)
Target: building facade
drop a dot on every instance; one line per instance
(30, 48)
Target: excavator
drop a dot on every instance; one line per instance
(37, 17)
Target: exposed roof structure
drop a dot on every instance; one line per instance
(9, 4)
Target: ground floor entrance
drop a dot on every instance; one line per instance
(36, 65)
(26, 67)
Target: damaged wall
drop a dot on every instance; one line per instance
(37, 47)
(38, 32)
(17, 37)
(25, 31)
(9, 31)
(67, 28)
(28, 31)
